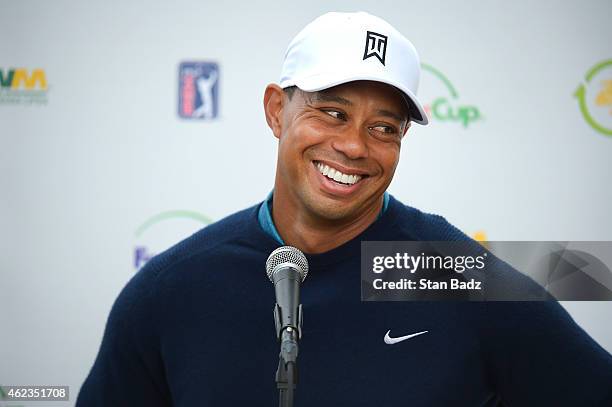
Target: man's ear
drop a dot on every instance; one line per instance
(274, 102)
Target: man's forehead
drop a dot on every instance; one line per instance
(327, 95)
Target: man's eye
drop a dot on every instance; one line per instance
(335, 114)
(384, 129)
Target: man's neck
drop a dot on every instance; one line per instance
(311, 233)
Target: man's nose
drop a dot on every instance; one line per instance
(352, 143)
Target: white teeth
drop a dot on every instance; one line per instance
(337, 175)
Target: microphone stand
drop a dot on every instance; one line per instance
(286, 374)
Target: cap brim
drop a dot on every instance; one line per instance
(320, 82)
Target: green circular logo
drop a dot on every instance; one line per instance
(163, 230)
(595, 97)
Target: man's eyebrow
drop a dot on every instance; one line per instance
(326, 97)
(392, 115)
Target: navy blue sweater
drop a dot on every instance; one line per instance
(194, 327)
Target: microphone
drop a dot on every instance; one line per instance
(287, 268)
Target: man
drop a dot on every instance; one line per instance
(194, 326)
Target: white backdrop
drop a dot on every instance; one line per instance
(99, 165)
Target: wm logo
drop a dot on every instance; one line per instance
(15, 79)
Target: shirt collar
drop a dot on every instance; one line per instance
(265, 216)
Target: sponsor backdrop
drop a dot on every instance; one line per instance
(126, 126)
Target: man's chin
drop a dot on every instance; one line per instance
(333, 210)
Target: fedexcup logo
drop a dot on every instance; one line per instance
(445, 104)
(595, 97)
(163, 230)
(20, 86)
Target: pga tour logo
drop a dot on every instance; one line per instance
(198, 90)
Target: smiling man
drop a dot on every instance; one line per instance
(194, 326)
(338, 150)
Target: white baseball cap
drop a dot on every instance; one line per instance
(337, 48)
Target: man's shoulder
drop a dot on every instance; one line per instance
(231, 229)
(503, 281)
(181, 268)
(415, 224)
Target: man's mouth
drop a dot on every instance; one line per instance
(337, 175)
